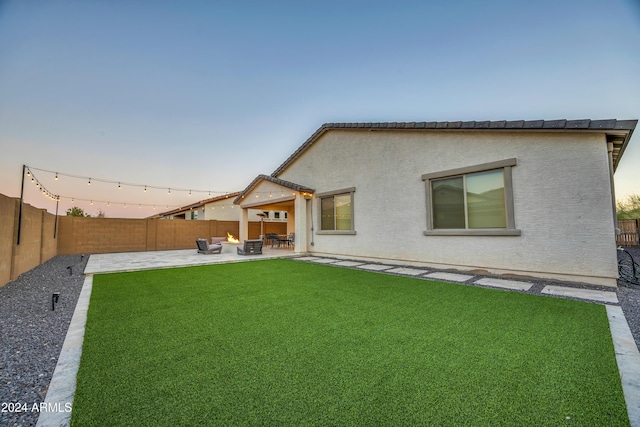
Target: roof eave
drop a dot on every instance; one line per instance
(581, 125)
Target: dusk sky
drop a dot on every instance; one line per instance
(206, 95)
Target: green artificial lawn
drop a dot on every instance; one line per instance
(281, 342)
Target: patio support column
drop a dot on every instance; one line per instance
(244, 225)
(300, 218)
(291, 221)
(613, 188)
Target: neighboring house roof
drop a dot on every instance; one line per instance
(282, 182)
(196, 205)
(618, 131)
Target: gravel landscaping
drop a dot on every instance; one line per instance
(33, 333)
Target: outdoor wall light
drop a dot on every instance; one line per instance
(54, 299)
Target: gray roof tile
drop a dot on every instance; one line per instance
(528, 125)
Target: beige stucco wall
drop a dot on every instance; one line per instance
(225, 210)
(561, 199)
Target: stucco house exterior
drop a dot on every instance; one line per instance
(514, 198)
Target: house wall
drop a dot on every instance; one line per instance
(561, 200)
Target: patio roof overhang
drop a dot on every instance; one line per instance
(196, 205)
(271, 193)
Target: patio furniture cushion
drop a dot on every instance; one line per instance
(204, 248)
(250, 247)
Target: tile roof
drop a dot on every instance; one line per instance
(618, 131)
(196, 205)
(282, 182)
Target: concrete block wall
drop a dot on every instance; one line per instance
(37, 241)
(7, 241)
(104, 235)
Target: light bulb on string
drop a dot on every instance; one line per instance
(89, 183)
(56, 176)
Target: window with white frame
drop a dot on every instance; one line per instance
(336, 212)
(475, 200)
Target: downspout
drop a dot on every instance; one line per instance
(613, 188)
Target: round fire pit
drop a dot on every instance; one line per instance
(229, 247)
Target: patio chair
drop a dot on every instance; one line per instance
(204, 248)
(273, 238)
(251, 247)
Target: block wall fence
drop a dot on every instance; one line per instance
(76, 235)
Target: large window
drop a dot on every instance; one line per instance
(336, 212)
(476, 200)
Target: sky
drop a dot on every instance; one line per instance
(203, 96)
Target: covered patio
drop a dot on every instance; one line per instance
(269, 193)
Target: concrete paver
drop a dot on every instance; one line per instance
(324, 260)
(375, 267)
(453, 277)
(348, 263)
(590, 294)
(628, 358)
(504, 284)
(407, 271)
(63, 382)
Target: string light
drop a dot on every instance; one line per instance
(264, 195)
(121, 183)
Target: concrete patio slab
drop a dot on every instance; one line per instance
(589, 294)
(375, 267)
(407, 271)
(134, 261)
(453, 277)
(504, 284)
